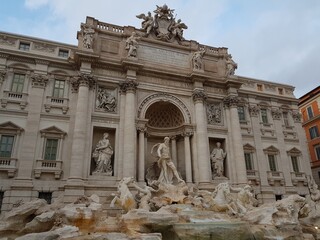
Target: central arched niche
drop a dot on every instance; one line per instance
(164, 114)
(165, 119)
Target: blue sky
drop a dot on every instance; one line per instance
(273, 40)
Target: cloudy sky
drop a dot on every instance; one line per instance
(273, 40)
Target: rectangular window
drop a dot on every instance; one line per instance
(310, 112)
(18, 83)
(241, 113)
(58, 89)
(63, 53)
(314, 132)
(24, 46)
(6, 145)
(278, 197)
(280, 91)
(51, 149)
(264, 116)
(46, 196)
(294, 161)
(317, 150)
(272, 163)
(248, 159)
(259, 87)
(1, 199)
(285, 119)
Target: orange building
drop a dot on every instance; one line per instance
(309, 106)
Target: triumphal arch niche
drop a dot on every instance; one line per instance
(161, 85)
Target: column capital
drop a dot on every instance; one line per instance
(39, 80)
(230, 101)
(129, 85)
(83, 79)
(199, 95)
(2, 75)
(254, 110)
(187, 133)
(141, 128)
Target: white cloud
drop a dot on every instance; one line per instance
(272, 40)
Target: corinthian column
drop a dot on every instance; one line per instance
(129, 132)
(202, 137)
(187, 155)
(82, 84)
(231, 105)
(141, 129)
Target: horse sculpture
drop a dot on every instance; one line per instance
(124, 198)
(222, 200)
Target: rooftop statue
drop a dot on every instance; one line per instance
(162, 25)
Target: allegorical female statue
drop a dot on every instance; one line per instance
(102, 155)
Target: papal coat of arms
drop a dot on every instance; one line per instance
(163, 25)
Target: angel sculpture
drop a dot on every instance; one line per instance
(164, 12)
(177, 29)
(147, 23)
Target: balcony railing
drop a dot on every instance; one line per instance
(48, 166)
(14, 98)
(253, 176)
(55, 102)
(299, 177)
(8, 165)
(275, 176)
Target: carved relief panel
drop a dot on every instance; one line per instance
(106, 99)
(214, 113)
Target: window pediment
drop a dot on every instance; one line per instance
(271, 150)
(248, 148)
(10, 128)
(53, 131)
(294, 152)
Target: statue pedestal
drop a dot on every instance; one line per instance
(218, 180)
(102, 174)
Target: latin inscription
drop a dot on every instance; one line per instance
(164, 57)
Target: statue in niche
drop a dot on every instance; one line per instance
(217, 157)
(105, 100)
(102, 155)
(197, 60)
(132, 44)
(87, 33)
(147, 23)
(231, 65)
(168, 170)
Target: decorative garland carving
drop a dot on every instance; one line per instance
(276, 114)
(39, 80)
(296, 116)
(167, 97)
(254, 110)
(214, 113)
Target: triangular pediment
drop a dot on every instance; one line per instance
(294, 151)
(248, 147)
(271, 149)
(53, 130)
(10, 127)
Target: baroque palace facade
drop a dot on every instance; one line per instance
(139, 86)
